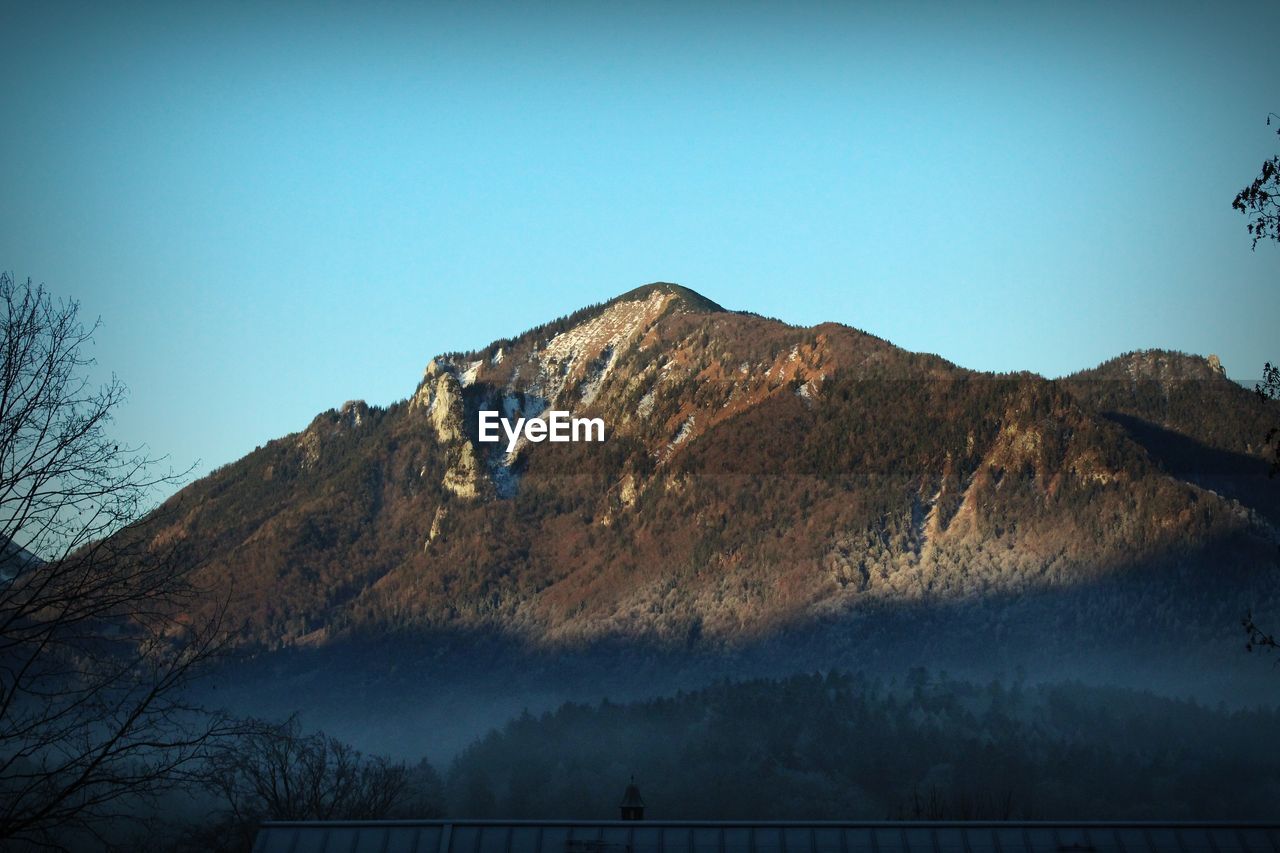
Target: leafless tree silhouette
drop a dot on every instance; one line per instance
(275, 772)
(96, 639)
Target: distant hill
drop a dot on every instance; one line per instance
(14, 558)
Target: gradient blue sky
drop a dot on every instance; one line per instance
(275, 208)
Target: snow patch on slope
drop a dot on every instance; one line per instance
(685, 429)
(645, 407)
(469, 375)
(588, 351)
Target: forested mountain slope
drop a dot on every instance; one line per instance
(756, 478)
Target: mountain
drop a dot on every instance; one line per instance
(1193, 424)
(14, 559)
(760, 485)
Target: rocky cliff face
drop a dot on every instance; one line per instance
(756, 477)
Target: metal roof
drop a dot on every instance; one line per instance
(488, 836)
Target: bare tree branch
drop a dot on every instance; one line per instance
(96, 648)
(273, 771)
(1260, 200)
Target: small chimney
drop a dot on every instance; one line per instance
(632, 805)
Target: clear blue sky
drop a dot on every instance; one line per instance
(275, 208)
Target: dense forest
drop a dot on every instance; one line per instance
(834, 746)
(842, 746)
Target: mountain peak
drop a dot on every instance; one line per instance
(689, 299)
(1156, 365)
